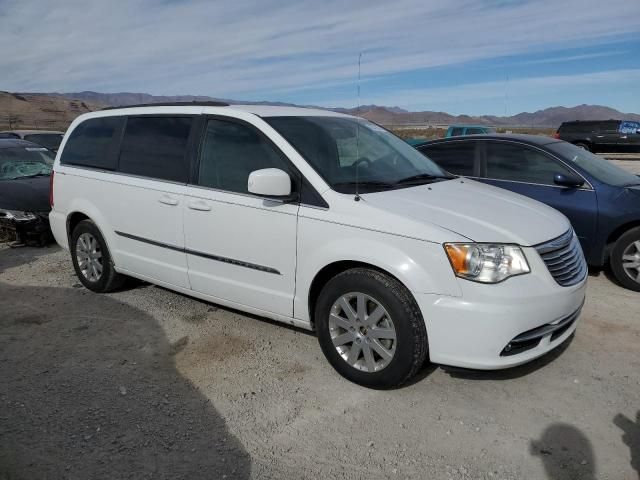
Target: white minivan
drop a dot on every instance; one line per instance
(323, 221)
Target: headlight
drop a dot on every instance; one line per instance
(16, 215)
(486, 263)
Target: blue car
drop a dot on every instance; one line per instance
(601, 200)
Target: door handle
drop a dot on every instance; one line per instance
(199, 205)
(167, 200)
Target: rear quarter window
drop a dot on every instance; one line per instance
(455, 157)
(90, 144)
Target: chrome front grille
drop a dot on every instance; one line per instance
(564, 259)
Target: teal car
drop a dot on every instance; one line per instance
(414, 142)
(457, 130)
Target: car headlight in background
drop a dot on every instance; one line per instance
(486, 263)
(16, 215)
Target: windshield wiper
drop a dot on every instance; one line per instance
(423, 178)
(366, 183)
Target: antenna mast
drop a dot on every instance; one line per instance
(357, 197)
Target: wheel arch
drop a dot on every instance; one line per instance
(615, 235)
(73, 219)
(332, 269)
(86, 212)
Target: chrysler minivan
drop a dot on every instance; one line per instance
(323, 221)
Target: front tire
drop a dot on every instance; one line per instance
(625, 259)
(370, 328)
(91, 259)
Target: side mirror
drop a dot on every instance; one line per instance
(270, 182)
(568, 180)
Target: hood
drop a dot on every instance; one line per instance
(25, 194)
(480, 212)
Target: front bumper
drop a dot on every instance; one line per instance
(476, 329)
(24, 227)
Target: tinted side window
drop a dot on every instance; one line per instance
(607, 127)
(455, 157)
(457, 131)
(90, 143)
(522, 164)
(230, 152)
(9, 135)
(475, 131)
(50, 140)
(156, 147)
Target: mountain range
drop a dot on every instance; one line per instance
(56, 110)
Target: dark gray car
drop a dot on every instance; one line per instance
(602, 136)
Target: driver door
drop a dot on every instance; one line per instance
(240, 247)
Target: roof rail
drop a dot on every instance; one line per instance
(172, 104)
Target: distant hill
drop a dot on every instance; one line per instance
(57, 110)
(550, 117)
(127, 98)
(40, 111)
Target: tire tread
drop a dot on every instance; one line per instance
(113, 279)
(413, 315)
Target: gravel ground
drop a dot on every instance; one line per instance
(147, 383)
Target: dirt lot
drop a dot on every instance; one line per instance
(146, 383)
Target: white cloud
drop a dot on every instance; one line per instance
(256, 47)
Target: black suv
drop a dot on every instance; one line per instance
(602, 135)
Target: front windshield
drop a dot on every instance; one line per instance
(341, 149)
(24, 162)
(600, 168)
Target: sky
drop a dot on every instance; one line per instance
(496, 57)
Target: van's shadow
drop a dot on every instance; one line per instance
(90, 390)
(14, 257)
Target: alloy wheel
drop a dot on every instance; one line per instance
(631, 261)
(89, 257)
(362, 332)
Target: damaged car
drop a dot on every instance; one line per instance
(46, 138)
(25, 171)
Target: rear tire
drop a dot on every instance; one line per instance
(370, 328)
(625, 259)
(91, 259)
(584, 146)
